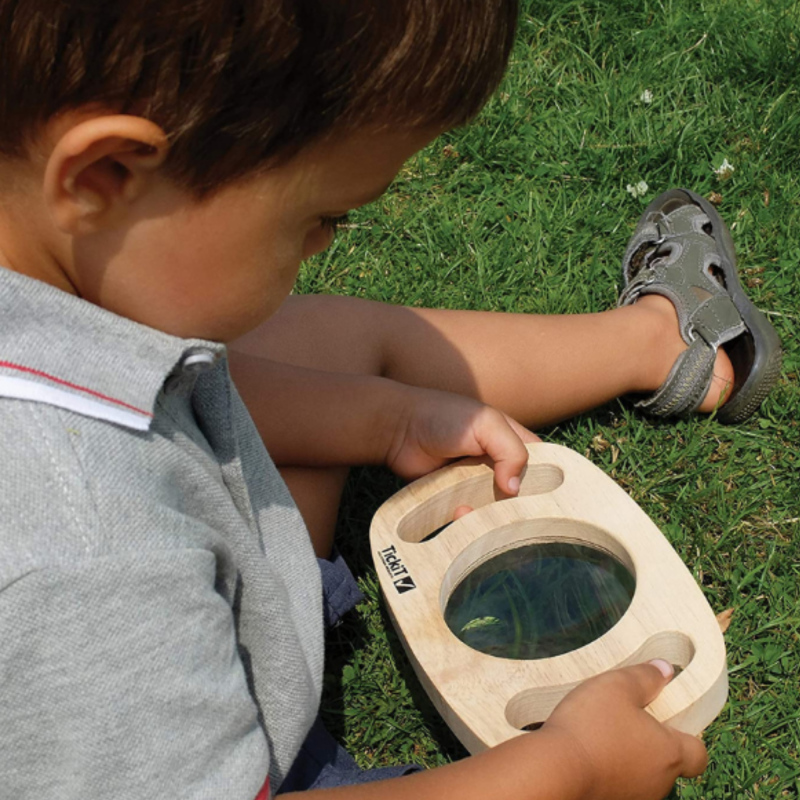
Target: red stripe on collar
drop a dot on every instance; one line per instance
(54, 379)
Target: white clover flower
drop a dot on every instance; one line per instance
(639, 190)
(646, 97)
(724, 170)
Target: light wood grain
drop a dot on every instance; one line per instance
(485, 699)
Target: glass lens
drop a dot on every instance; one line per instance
(540, 600)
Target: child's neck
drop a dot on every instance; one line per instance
(26, 232)
(33, 260)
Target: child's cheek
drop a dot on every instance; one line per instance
(317, 241)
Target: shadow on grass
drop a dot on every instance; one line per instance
(366, 490)
(447, 742)
(351, 634)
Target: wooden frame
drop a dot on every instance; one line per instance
(486, 700)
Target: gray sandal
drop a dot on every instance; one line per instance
(682, 249)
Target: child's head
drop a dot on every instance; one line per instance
(186, 153)
(237, 84)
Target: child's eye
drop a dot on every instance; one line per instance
(332, 223)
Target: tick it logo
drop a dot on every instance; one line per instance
(404, 584)
(397, 570)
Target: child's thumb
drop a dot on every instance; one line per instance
(664, 667)
(646, 681)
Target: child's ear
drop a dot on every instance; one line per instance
(98, 168)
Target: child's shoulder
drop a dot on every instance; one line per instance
(78, 390)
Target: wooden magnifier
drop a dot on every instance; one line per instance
(508, 608)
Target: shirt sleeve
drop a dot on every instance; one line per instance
(120, 678)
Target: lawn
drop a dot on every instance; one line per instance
(527, 210)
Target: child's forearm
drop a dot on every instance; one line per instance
(314, 418)
(534, 766)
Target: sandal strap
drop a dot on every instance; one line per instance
(686, 385)
(673, 256)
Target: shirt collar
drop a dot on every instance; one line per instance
(63, 351)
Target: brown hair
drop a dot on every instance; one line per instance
(237, 84)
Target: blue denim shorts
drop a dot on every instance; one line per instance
(322, 762)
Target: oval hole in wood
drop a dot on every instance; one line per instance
(435, 533)
(530, 708)
(525, 532)
(672, 646)
(539, 600)
(430, 518)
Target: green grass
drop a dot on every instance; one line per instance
(539, 601)
(526, 210)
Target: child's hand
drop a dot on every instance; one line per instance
(439, 427)
(624, 753)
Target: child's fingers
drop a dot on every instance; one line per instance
(503, 444)
(694, 758)
(523, 433)
(643, 683)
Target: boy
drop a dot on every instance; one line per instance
(165, 168)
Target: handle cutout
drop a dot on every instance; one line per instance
(529, 709)
(433, 514)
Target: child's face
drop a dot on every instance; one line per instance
(216, 269)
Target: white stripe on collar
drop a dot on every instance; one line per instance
(22, 389)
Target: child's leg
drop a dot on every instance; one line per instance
(680, 263)
(538, 369)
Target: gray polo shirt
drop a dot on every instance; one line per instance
(160, 603)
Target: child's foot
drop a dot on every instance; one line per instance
(681, 262)
(670, 347)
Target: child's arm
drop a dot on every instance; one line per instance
(314, 418)
(599, 744)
